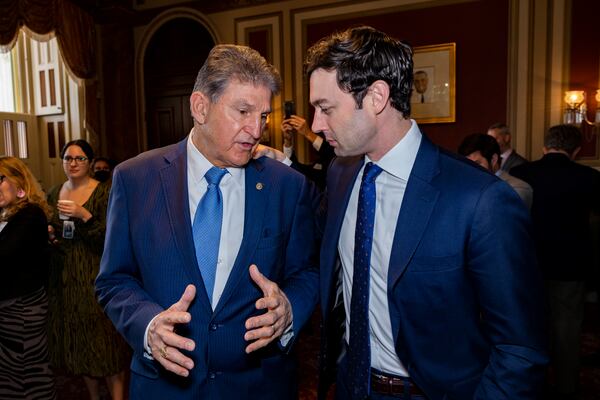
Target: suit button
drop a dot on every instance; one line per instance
(212, 375)
(213, 327)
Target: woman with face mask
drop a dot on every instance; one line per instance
(102, 168)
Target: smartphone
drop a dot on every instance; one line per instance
(289, 109)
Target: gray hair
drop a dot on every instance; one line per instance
(502, 128)
(227, 62)
(563, 137)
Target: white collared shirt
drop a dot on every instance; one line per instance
(504, 156)
(390, 186)
(232, 187)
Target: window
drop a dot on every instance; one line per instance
(7, 93)
(41, 105)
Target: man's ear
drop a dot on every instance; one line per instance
(199, 105)
(379, 94)
(495, 162)
(575, 152)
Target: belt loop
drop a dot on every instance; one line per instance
(407, 395)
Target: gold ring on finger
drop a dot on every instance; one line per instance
(163, 351)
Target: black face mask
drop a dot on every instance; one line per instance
(102, 175)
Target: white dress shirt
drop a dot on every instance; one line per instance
(504, 156)
(232, 230)
(390, 186)
(232, 187)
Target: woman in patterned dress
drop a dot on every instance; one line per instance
(82, 339)
(24, 369)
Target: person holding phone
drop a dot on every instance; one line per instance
(294, 124)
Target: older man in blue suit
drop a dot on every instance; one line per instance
(427, 261)
(209, 268)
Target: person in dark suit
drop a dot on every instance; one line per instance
(509, 157)
(209, 270)
(414, 267)
(565, 194)
(317, 171)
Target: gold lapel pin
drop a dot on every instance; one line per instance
(259, 186)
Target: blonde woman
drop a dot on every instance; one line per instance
(24, 367)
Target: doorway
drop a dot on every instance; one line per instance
(173, 57)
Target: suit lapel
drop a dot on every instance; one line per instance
(175, 186)
(339, 189)
(258, 187)
(419, 201)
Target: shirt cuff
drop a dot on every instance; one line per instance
(288, 151)
(287, 161)
(287, 335)
(147, 349)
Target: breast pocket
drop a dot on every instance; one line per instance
(271, 242)
(270, 255)
(435, 263)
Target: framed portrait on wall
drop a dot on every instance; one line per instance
(434, 82)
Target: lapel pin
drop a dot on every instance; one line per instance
(259, 186)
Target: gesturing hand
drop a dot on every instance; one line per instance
(163, 340)
(265, 328)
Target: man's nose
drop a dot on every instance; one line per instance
(318, 124)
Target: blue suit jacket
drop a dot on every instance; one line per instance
(464, 292)
(149, 259)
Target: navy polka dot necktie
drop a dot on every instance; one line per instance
(359, 352)
(207, 228)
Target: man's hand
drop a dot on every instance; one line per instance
(265, 328)
(163, 340)
(266, 151)
(298, 124)
(288, 132)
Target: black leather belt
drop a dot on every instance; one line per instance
(392, 385)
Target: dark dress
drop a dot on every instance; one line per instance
(81, 339)
(24, 369)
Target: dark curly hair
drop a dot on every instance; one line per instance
(361, 56)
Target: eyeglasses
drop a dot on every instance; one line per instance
(78, 159)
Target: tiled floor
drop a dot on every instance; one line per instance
(73, 388)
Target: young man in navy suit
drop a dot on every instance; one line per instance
(207, 270)
(427, 262)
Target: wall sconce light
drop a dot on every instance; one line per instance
(576, 110)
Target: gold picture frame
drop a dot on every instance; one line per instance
(434, 84)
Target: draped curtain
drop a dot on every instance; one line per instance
(74, 29)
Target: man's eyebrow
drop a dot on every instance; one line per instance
(318, 102)
(243, 103)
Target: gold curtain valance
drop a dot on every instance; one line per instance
(74, 29)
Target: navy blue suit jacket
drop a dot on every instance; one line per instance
(464, 292)
(149, 259)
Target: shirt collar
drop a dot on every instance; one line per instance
(198, 164)
(506, 154)
(399, 160)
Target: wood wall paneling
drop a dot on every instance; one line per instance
(480, 31)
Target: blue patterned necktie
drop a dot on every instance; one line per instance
(207, 228)
(359, 352)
